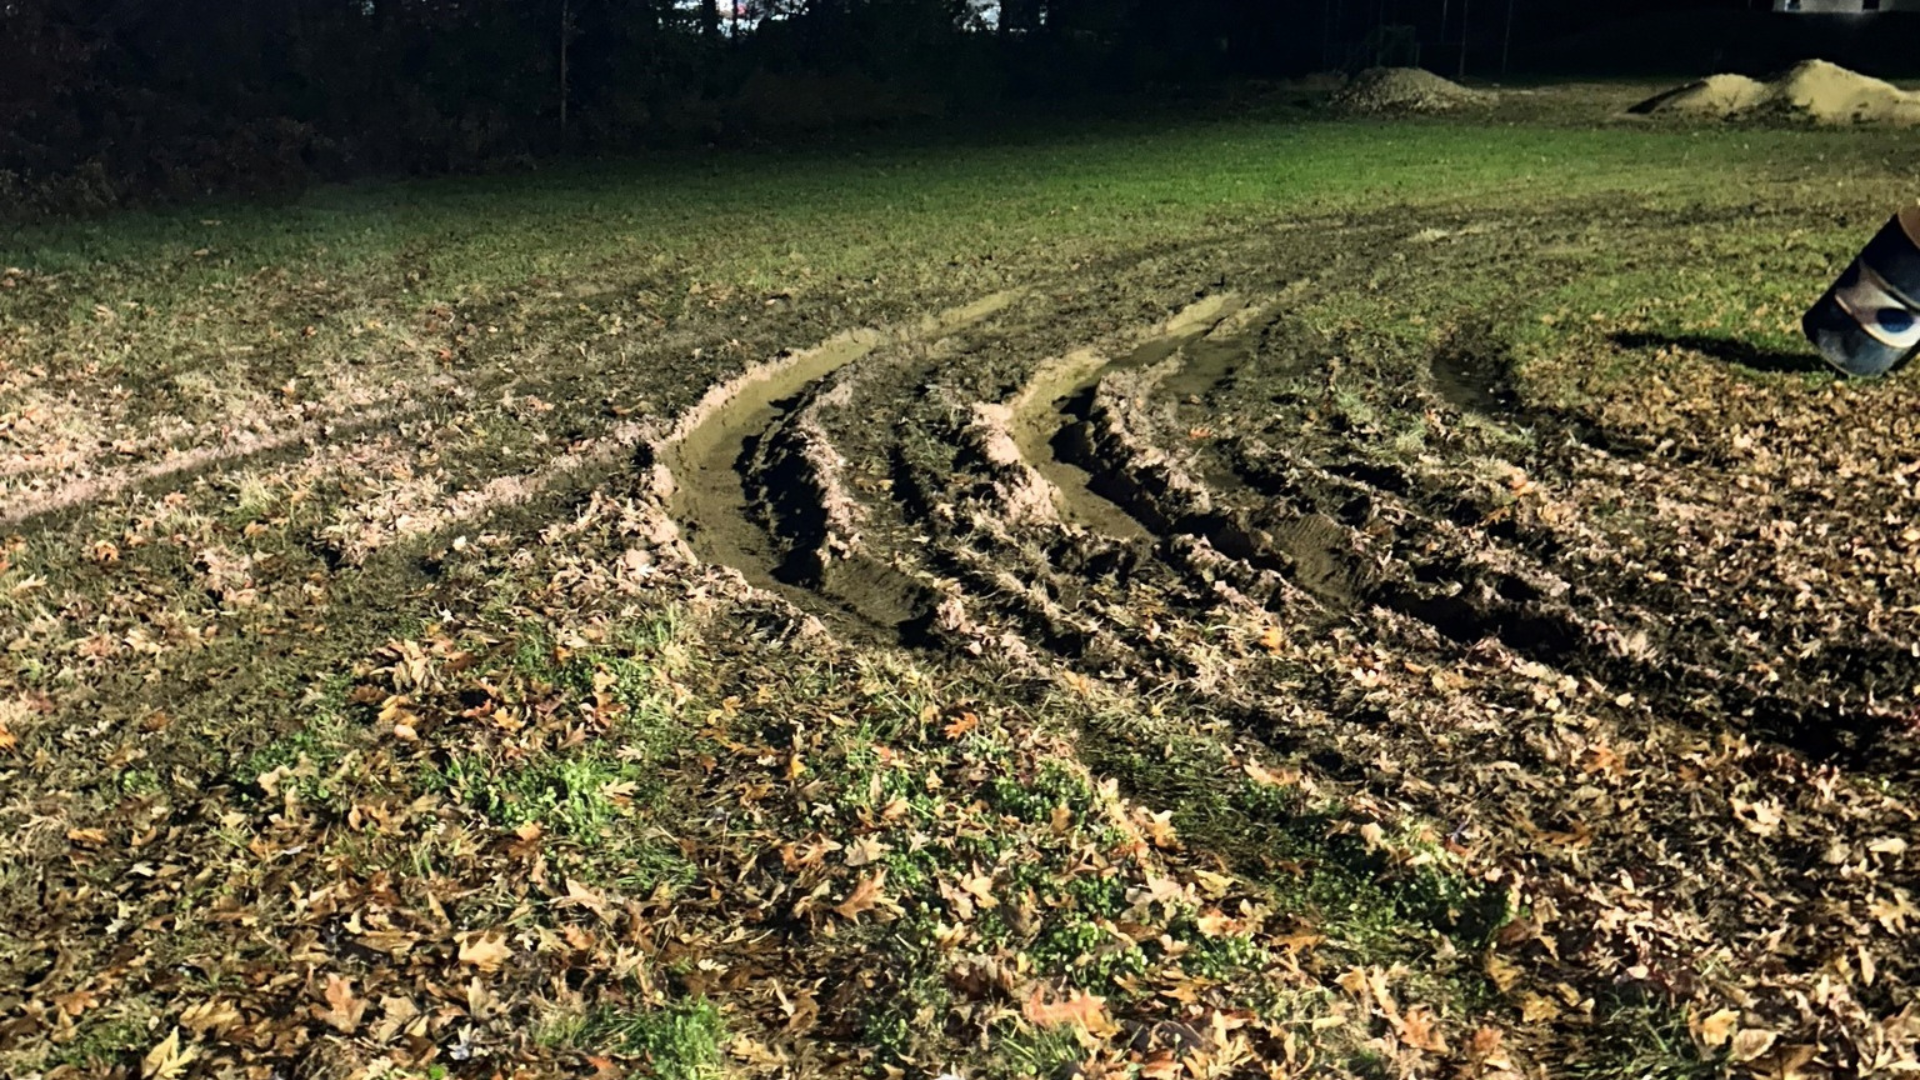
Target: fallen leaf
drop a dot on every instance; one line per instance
(209, 1016)
(1214, 923)
(961, 724)
(1714, 1031)
(1892, 914)
(1418, 1030)
(1061, 820)
(396, 1013)
(1751, 1043)
(168, 1059)
(1484, 1046)
(865, 896)
(343, 1011)
(485, 949)
(865, 850)
(1535, 1009)
(1082, 1009)
(1265, 777)
(1503, 973)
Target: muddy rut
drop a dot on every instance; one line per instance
(1385, 566)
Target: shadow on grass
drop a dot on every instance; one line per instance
(1728, 351)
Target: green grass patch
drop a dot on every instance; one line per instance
(1312, 858)
(1639, 1037)
(307, 761)
(102, 1042)
(907, 213)
(677, 1041)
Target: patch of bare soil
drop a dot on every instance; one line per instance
(1406, 90)
(1813, 90)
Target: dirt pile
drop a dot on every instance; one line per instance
(1812, 90)
(1405, 90)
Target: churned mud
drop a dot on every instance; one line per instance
(1437, 586)
(754, 483)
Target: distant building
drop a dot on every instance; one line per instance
(1843, 7)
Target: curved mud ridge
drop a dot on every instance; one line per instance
(1375, 565)
(751, 478)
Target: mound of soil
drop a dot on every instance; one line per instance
(1716, 95)
(1813, 90)
(1405, 90)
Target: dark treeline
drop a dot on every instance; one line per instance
(108, 101)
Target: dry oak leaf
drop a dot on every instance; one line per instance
(866, 850)
(1504, 973)
(1061, 820)
(962, 724)
(1760, 818)
(1483, 1046)
(1751, 1043)
(1082, 1009)
(1215, 923)
(1265, 777)
(865, 896)
(1158, 827)
(1714, 1031)
(1892, 914)
(1418, 1030)
(75, 1003)
(168, 1059)
(485, 949)
(215, 1016)
(1535, 1009)
(343, 1010)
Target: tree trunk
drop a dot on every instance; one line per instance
(1506, 43)
(1465, 7)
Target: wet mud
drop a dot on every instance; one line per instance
(1396, 564)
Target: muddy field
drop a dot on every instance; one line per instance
(1325, 646)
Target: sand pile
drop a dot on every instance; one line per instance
(1387, 90)
(1814, 90)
